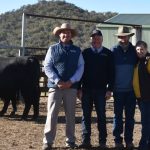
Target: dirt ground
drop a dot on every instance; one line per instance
(27, 135)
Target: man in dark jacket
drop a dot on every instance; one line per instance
(96, 87)
(124, 99)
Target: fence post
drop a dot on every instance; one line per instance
(22, 50)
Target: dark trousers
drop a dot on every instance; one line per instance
(144, 107)
(124, 102)
(96, 97)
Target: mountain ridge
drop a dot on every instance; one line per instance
(38, 32)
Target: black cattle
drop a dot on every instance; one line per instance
(20, 74)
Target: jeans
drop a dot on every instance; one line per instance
(96, 97)
(144, 107)
(124, 101)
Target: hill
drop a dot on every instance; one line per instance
(39, 30)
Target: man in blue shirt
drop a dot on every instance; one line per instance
(64, 67)
(125, 59)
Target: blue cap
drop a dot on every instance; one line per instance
(96, 32)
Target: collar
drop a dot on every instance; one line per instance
(98, 49)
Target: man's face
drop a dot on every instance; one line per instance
(65, 36)
(123, 39)
(96, 41)
(141, 51)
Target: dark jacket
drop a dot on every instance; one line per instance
(124, 67)
(98, 70)
(141, 80)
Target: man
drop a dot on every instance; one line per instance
(124, 99)
(96, 87)
(141, 84)
(64, 67)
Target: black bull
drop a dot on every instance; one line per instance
(20, 74)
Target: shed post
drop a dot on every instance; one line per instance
(137, 34)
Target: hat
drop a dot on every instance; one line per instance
(96, 32)
(124, 31)
(64, 26)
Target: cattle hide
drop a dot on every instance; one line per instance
(20, 74)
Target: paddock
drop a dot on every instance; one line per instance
(27, 135)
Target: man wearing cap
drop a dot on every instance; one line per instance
(64, 67)
(96, 87)
(124, 99)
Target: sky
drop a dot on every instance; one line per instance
(127, 6)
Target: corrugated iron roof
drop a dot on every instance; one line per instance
(140, 19)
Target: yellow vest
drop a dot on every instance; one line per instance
(136, 85)
(148, 66)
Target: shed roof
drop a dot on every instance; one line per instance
(139, 19)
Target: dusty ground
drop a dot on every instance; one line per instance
(26, 135)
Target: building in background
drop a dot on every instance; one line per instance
(138, 23)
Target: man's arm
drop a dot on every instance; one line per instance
(48, 67)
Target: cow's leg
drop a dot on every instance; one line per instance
(36, 97)
(31, 97)
(27, 102)
(36, 109)
(14, 103)
(26, 109)
(6, 104)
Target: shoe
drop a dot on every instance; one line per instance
(130, 146)
(148, 144)
(119, 146)
(143, 147)
(85, 145)
(103, 146)
(47, 146)
(71, 145)
(139, 148)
